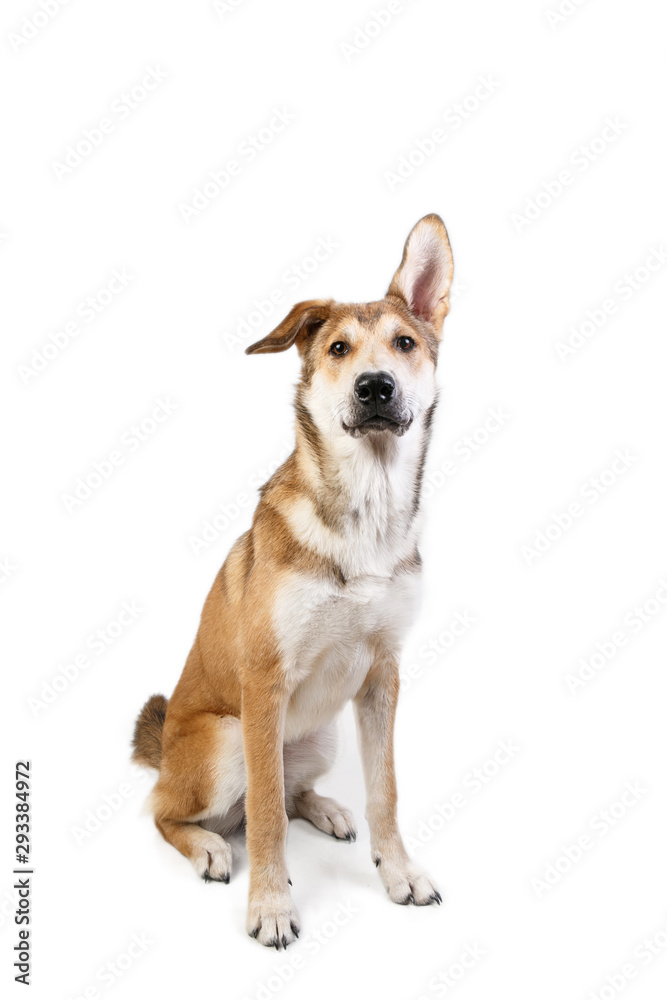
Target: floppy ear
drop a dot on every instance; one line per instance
(302, 321)
(424, 277)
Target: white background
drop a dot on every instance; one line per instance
(521, 287)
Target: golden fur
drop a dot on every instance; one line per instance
(310, 605)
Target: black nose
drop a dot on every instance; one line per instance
(374, 387)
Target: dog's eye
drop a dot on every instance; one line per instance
(339, 348)
(405, 343)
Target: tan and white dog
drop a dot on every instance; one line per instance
(311, 606)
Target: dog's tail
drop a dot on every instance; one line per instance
(147, 739)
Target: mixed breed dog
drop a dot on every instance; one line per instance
(311, 606)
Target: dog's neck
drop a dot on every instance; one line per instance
(360, 497)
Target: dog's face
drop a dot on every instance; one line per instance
(369, 370)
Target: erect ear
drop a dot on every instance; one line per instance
(302, 321)
(424, 277)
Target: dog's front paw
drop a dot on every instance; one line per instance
(273, 920)
(404, 882)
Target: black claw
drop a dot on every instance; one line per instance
(284, 942)
(211, 878)
(255, 932)
(289, 881)
(377, 862)
(437, 897)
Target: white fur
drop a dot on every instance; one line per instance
(327, 630)
(379, 531)
(230, 773)
(305, 760)
(326, 635)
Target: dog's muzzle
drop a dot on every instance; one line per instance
(377, 406)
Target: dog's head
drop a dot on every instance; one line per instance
(369, 370)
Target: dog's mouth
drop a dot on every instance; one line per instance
(377, 424)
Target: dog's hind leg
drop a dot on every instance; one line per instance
(202, 779)
(306, 760)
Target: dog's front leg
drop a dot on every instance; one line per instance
(375, 709)
(272, 918)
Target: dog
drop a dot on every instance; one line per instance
(312, 603)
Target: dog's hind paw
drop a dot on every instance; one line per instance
(213, 859)
(327, 815)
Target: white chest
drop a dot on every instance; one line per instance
(328, 635)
